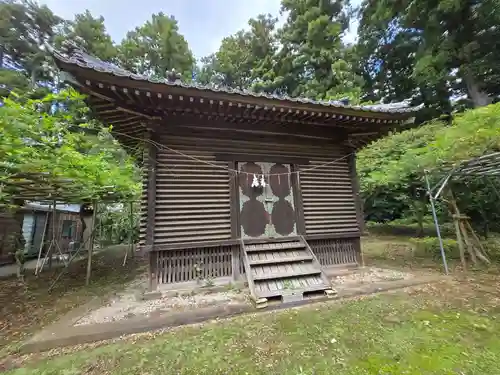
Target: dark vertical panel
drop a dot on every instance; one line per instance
(151, 210)
(235, 221)
(297, 200)
(235, 203)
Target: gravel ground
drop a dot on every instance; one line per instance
(369, 276)
(126, 305)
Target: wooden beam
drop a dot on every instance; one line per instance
(262, 126)
(202, 133)
(332, 236)
(262, 158)
(194, 245)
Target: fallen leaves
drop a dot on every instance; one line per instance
(28, 307)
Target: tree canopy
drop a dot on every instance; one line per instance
(42, 156)
(157, 47)
(434, 146)
(442, 54)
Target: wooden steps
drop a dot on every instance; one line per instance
(282, 267)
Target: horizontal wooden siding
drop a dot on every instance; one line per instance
(192, 195)
(327, 195)
(144, 199)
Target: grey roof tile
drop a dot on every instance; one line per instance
(84, 60)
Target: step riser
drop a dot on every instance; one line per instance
(269, 247)
(291, 260)
(288, 275)
(289, 268)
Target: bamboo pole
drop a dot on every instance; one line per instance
(73, 257)
(54, 241)
(45, 227)
(460, 242)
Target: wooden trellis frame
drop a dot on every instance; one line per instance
(486, 166)
(44, 187)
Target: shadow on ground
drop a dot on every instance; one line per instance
(28, 306)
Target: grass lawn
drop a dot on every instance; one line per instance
(445, 328)
(439, 329)
(25, 308)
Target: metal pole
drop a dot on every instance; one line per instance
(436, 223)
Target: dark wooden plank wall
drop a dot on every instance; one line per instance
(63, 242)
(327, 194)
(10, 226)
(193, 194)
(194, 200)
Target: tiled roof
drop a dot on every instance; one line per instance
(86, 61)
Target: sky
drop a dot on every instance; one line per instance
(204, 23)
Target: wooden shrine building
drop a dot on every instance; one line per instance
(238, 184)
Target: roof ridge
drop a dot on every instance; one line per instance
(77, 56)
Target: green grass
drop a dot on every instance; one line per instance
(443, 329)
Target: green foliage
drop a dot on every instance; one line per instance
(90, 34)
(118, 223)
(306, 57)
(429, 246)
(407, 227)
(244, 59)
(157, 47)
(10, 80)
(313, 60)
(430, 50)
(36, 138)
(24, 27)
(392, 168)
(400, 157)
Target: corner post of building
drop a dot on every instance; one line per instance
(151, 162)
(357, 201)
(235, 223)
(297, 199)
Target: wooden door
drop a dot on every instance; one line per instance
(266, 211)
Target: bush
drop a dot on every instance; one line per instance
(429, 246)
(395, 228)
(492, 247)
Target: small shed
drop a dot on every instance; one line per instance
(238, 184)
(35, 221)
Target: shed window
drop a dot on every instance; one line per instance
(68, 228)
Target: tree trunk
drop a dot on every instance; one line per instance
(479, 98)
(419, 210)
